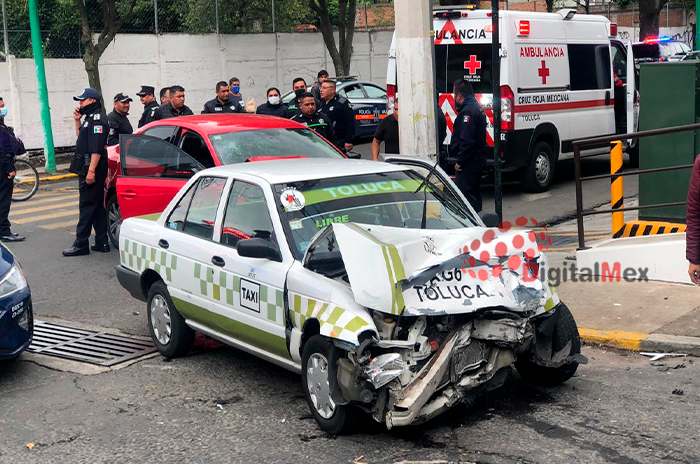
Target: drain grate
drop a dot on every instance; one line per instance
(100, 348)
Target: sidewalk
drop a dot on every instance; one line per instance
(61, 173)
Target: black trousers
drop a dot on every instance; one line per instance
(6, 186)
(469, 182)
(92, 213)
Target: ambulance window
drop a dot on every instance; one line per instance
(589, 66)
(246, 215)
(202, 212)
(441, 69)
(619, 63)
(471, 62)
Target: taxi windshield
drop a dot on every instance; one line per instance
(394, 199)
(242, 146)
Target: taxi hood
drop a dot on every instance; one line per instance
(443, 272)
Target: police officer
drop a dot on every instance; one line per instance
(274, 105)
(90, 163)
(176, 106)
(299, 87)
(148, 100)
(222, 104)
(164, 96)
(10, 146)
(468, 144)
(117, 119)
(342, 117)
(308, 116)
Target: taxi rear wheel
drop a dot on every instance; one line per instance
(170, 334)
(332, 418)
(114, 220)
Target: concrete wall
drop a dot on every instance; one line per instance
(197, 62)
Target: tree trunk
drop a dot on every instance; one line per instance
(341, 56)
(93, 71)
(649, 17)
(550, 6)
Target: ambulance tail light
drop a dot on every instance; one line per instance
(613, 30)
(524, 28)
(507, 107)
(391, 97)
(489, 28)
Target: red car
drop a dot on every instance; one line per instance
(152, 165)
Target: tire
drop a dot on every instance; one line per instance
(181, 337)
(633, 154)
(26, 181)
(338, 419)
(548, 376)
(538, 175)
(114, 220)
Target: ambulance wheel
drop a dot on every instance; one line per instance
(332, 418)
(170, 334)
(538, 176)
(565, 332)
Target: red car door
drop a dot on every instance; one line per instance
(153, 171)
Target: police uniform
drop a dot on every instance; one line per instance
(167, 111)
(267, 109)
(10, 146)
(293, 107)
(92, 138)
(118, 123)
(468, 146)
(216, 107)
(343, 118)
(319, 122)
(149, 110)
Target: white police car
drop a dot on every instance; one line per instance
(376, 281)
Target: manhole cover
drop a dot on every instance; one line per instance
(100, 348)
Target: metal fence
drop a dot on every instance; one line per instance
(61, 20)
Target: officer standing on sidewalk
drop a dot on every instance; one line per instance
(342, 117)
(90, 163)
(148, 100)
(221, 104)
(117, 119)
(299, 87)
(308, 116)
(176, 106)
(468, 144)
(10, 146)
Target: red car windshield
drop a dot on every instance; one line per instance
(240, 146)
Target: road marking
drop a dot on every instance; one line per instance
(60, 225)
(58, 214)
(19, 212)
(47, 199)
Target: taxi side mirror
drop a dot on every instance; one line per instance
(259, 248)
(353, 155)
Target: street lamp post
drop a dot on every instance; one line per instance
(496, 80)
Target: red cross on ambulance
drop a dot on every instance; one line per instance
(543, 72)
(472, 65)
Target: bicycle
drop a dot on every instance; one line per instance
(26, 181)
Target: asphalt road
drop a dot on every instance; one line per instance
(560, 201)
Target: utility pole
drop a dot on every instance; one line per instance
(496, 80)
(4, 30)
(697, 32)
(37, 48)
(414, 74)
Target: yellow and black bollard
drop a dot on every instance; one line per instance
(616, 190)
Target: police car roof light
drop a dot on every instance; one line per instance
(657, 39)
(524, 28)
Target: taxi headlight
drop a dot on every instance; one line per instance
(13, 281)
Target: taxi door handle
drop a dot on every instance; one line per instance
(129, 194)
(218, 261)
(163, 243)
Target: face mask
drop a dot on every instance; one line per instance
(298, 92)
(3, 112)
(236, 88)
(274, 100)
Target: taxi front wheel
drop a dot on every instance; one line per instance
(170, 334)
(332, 418)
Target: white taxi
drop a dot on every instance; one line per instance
(376, 281)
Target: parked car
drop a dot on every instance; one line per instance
(155, 162)
(691, 56)
(356, 274)
(367, 100)
(16, 317)
(659, 49)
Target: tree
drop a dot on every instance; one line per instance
(111, 22)
(347, 10)
(649, 17)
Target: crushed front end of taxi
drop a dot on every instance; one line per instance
(453, 312)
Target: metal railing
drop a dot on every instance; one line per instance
(598, 141)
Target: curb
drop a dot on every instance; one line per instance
(635, 341)
(58, 177)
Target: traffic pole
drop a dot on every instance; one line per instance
(616, 189)
(697, 26)
(37, 48)
(496, 105)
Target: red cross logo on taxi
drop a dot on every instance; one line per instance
(472, 65)
(543, 72)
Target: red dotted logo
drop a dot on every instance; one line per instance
(503, 247)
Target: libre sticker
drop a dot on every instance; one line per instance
(292, 200)
(294, 225)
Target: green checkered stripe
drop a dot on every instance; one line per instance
(553, 300)
(335, 321)
(225, 287)
(139, 257)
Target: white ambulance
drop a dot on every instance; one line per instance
(563, 77)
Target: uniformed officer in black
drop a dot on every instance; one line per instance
(468, 144)
(299, 87)
(342, 117)
(222, 104)
(176, 106)
(273, 106)
(148, 100)
(117, 119)
(312, 119)
(90, 163)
